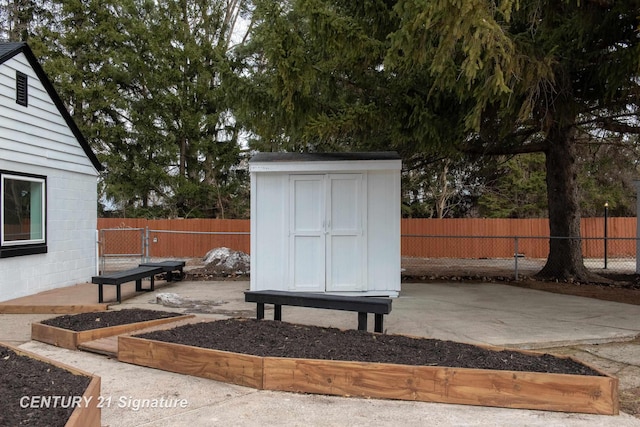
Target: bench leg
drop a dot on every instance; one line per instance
(100, 295)
(260, 311)
(379, 319)
(177, 276)
(277, 312)
(151, 286)
(118, 294)
(362, 321)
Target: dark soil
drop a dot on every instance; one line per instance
(105, 319)
(623, 288)
(620, 287)
(23, 381)
(281, 339)
(21, 377)
(210, 272)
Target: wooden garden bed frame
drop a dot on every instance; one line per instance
(481, 387)
(82, 416)
(69, 339)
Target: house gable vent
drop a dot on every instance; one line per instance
(21, 88)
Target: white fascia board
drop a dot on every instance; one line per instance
(330, 166)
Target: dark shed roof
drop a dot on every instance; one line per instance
(323, 157)
(8, 48)
(8, 51)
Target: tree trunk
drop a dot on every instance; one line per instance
(441, 199)
(183, 156)
(565, 260)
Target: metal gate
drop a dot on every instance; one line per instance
(121, 248)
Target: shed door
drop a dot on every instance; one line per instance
(344, 249)
(307, 233)
(326, 232)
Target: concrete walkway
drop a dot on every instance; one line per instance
(475, 313)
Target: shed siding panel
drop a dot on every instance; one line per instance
(268, 259)
(383, 241)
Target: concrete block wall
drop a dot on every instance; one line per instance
(71, 237)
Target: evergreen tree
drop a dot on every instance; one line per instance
(149, 83)
(516, 189)
(82, 49)
(607, 172)
(316, 81)
(540, 76)
(19, 18)
(478, 77)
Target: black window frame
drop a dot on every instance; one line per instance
(21, 249)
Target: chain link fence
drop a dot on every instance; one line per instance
(120, 248)
(422, 255)
(123, 248)
(507, 256)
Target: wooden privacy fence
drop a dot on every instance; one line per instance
(166, 238)
(498, 238)
(423, 238)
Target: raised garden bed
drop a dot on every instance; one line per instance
(69, 331)
(289, 358)
(37, 391)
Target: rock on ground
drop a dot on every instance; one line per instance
(227, 261)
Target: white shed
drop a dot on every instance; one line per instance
(48, 183)
(326, 222)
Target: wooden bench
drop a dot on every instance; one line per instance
(169, 267)
(120, 277)
(363, 305)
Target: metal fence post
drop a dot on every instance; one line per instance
(515, 254)
(101, 250)
(145, 245)
(606, 217)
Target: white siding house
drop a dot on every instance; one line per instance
(48, 183)
(326, 222)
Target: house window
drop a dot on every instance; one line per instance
(22, 89)
(23, 213)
